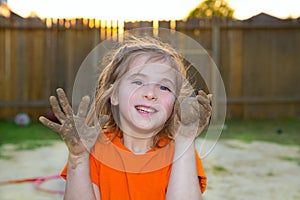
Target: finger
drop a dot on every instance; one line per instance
(204, 101)
(99, 123)
(83, 106)
(103, 120)
(56, 109)
(209, 97)
(203, 94)
(64, 102)
(53, 126)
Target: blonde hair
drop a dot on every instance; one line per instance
(118, 62)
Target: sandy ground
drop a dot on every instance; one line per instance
(235, 170)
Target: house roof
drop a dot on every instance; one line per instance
(263, 18)
(6, 12)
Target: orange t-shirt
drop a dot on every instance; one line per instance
(120, 174)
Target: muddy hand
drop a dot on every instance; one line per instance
(195, 111)
(78, 137)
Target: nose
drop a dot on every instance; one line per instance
(149, 92)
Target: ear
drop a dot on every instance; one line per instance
(114, 100)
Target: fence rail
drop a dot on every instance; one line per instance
(259, 62)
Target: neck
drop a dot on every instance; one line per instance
(137, 145)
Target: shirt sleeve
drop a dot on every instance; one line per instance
(94, 170)
(64, 171)
(201, 174)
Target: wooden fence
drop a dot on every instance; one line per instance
(259, 62)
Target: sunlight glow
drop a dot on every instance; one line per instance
(133, 10)
(279, 8)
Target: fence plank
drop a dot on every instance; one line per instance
(259, 63)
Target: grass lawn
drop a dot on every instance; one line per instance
(285, 131)
(281, 131)
(26, 137)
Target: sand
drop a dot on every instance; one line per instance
(235, 170)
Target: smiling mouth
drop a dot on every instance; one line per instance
(145, 109)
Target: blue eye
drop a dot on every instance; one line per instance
(138, 82)
(164, 88)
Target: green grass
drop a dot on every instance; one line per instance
(216, 169)
(285, 131)
(290, 159)
(270, 174)
(26, 137)
(281, 131)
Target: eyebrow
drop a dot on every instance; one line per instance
(132, 76)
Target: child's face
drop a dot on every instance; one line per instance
(146, 97)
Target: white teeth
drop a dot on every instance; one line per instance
(144, 109)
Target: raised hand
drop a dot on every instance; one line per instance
(78, 137)
(195, 111)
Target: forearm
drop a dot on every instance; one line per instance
(183, 182)
(79, 184)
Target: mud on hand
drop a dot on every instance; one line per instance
(195, 111)
(73, 129)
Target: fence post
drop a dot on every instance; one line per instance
(216, 58)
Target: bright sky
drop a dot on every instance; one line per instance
(146, 10)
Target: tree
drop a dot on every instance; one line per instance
(212, 8)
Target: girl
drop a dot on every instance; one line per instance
(145, 123)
